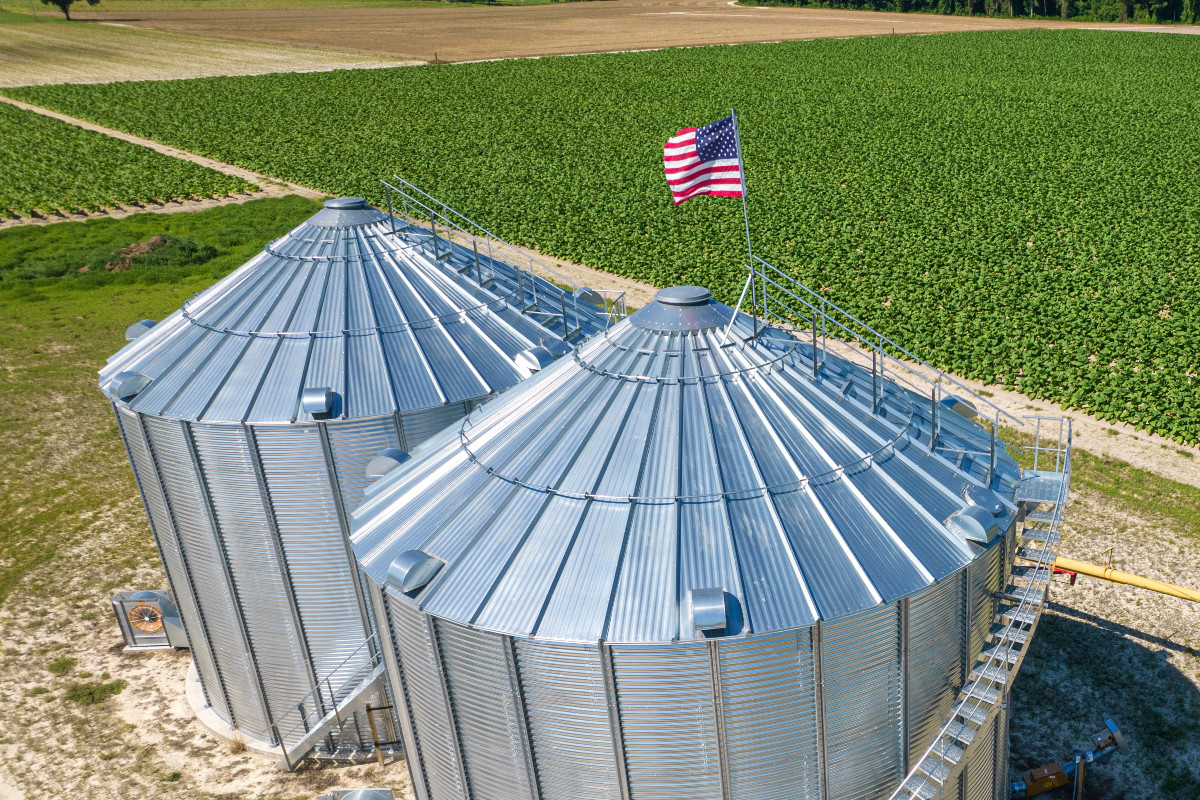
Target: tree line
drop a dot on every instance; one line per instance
(1184, 11)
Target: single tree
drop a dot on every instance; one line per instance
(65, 5)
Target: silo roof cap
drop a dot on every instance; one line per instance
(683, 308)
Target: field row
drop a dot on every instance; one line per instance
(52, 167)
(1019, 207)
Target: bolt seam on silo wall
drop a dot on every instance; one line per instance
(514, 679)
(444, 685)
(331, 468)
(219, 540)
(905, 706)
(395, 672)
(819, 687)
(183, 558)
(614, 718)
(718, 704)
(166, 506)
(281, 555)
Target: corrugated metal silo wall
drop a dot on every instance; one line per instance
(860, 662)
(202, 553)
(259, 584)
(163, 528)
(984, 580)
(514, 719)
(936, 625)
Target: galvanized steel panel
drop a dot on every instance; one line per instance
(306, 517)
(146, 472)
(202, 553)
(936, 623)
(426, 697)
(487, 713)
(563, 688)
(985, 577)
(861, 682)
(981, 769)
(258, 576)
(417, 426)
(667, 720)
(353, 444)
(768, 693)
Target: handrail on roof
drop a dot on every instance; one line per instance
(827, 312)
(612, 301)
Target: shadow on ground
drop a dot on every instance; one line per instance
(1081, 669)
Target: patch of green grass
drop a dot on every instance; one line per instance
(90, 694)
(62, 666)
(1186, 453)
(173, 777)
(54, 336)
(35, 691)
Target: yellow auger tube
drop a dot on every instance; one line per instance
(1116, 576)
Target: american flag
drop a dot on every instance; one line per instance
(704, 161)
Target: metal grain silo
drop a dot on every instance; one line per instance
(254, 415)
(702, 558)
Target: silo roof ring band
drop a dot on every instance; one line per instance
(685, 379)
(482, 310)
(837, 473)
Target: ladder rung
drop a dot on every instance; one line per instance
(1023, 616)
(1041, 516)
(1039, 535)
(962, 733)
(1006, 633)
(972, 714)
(999, 652)
(935, 769)
(921, 788)
(1034, 553)
(947, 752)
(977, 691)
(1030, 573)
(996, 673)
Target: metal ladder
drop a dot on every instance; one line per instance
(1042, 497)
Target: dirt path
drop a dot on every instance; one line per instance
(268, 187)
(472, 33)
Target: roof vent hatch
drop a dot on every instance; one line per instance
(138, 328)
(387, 460)
(128, 385)
(412, 570)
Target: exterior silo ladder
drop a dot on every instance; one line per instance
(1042, 494)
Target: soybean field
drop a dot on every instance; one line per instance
(48, 167)
(1018, 207)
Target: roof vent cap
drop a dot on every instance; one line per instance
(387, 460)
(317, 400)
(346, 203)
(986, 499)
(138, 328)
(708, 609)
(557, 347)
(684, 296)
(974, 524)
(963, 408)
(412, 569)
(535, 359)
(128, 385)
(589, 296)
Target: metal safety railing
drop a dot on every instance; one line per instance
(777, 297)
(534, 287)
(978, 701)
(331, 691)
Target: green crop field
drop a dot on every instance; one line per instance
(1018, 207)
(48, 166)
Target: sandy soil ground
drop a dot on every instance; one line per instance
(471, 33)
(99, 52)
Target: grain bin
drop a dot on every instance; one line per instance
(689, 562)
(254, 414)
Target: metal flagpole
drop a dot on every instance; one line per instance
(746, 216)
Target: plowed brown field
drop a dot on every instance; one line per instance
(468, 33)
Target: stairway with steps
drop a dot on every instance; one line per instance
(1042, 495)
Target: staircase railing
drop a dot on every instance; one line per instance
(331, 689)
(920, 782)
(548, 287)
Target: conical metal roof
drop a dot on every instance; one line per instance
(383, 320)
(674, 454)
